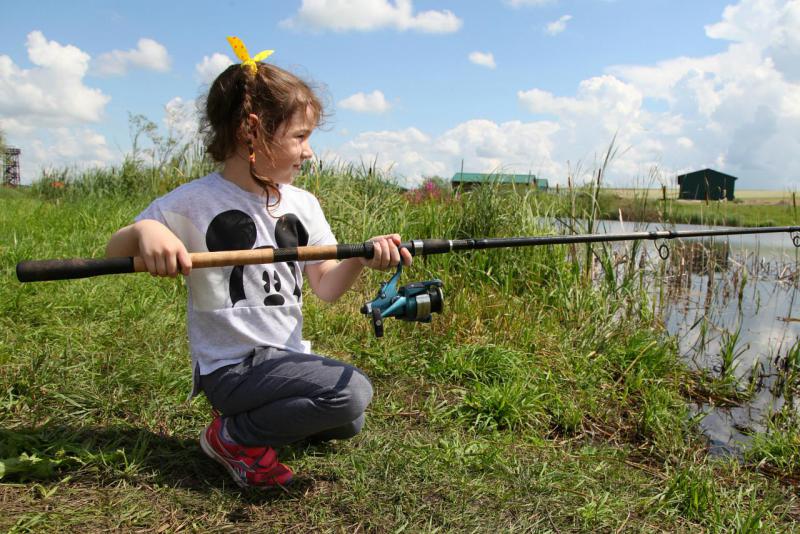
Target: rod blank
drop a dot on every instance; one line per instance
(43, 270)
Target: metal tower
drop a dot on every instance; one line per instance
(11, 166)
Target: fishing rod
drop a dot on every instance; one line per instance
(413, 302)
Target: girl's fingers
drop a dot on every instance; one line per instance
(154, 269)
(150, 263)
(386, 255)
(185, 262)
(407, 258)
(395, 253)
(172, 264)
(376, 255)
(404, 254)
(161, 266)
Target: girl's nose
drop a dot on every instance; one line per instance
(307, 153)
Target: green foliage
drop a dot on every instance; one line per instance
(504, 404)
(467, 363)
(779, 446)
(693, 492)
(697, 494)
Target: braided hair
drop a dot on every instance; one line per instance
(274, 95)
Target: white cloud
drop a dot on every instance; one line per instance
(148, 54)
(737, 111)
(484, 145)
(181, 119)
(75, 148)
(603, 97)
(44, 110)
(740, 108)
(603, 109)
(370, 15)
(211, 67)
(770, 25)
(557, 26)
(485, 59)
(580, 131)
(52, 93)
(748, 21)
(373, 102)
(79, 144)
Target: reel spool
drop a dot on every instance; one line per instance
(417, 301)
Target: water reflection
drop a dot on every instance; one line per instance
(732, 305)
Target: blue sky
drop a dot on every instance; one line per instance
(538, 86)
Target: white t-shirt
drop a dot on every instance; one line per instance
(232, 310)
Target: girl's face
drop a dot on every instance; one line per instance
(290, 149)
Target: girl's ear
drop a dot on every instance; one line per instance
(252, 123)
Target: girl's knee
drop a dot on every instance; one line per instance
(351, 401)
(361, 392)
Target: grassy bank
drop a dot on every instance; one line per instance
(757, 208)
(539, 401)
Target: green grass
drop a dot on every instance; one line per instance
(539, 401)
(772, 196)
(749, 213)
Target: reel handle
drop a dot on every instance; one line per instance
(377, 322)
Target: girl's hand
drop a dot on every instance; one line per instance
(387, 254)
(163, 253)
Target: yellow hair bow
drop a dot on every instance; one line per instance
(241, 52)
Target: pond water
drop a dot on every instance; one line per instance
(733, 305)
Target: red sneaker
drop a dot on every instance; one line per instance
(249, 466)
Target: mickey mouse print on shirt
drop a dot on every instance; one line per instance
(281, 282)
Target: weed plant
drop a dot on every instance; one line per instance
(543, 398)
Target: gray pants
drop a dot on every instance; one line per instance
(276, 397)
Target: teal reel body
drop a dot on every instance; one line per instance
(417, 301)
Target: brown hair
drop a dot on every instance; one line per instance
(272, 94)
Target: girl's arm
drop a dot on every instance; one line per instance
(330, 279)
(163, 253)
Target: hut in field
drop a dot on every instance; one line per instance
(468, 180)
(707, 184)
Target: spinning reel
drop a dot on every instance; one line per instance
(412, 302)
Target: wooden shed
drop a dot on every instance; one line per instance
(707, 184)
(467, 180)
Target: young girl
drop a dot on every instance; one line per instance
(245, 322)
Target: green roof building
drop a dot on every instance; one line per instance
(707, 184)
(471, 179)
